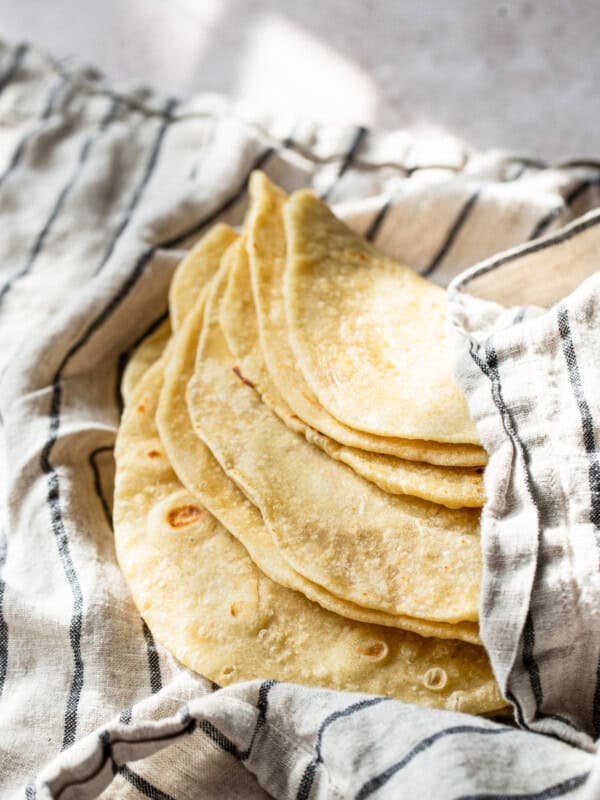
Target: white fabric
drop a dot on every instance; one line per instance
(532, 386)
(100, 193)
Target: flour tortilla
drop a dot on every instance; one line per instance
(267, 250)
(202, 475)
(205, 600)
(454, 488)
(193, 272)
(196, 269)
(399, 555)
(143, 357)
(368, 333)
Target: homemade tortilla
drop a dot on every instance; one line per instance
(400, 555)
(143, 357)
(369, 334)
(192, 274)
(202, 475)
(452, 487)
(196, 269)
(206, 601)
(267, 250)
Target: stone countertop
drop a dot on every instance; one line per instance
(517, 74)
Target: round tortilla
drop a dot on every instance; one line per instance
(205, 600)
(369, 334)
(196, 269)
(143, 357)
(193, 272)
(267, 249)
(203, 476)
(452, 487)
(400, 555)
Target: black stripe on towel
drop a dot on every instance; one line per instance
(551, 792)
(64, 550)
(139, 189)
(59, 203)
(585, 414)
(14, 66)
(452, 234)
(308, 777)
(57, 522)
(378, 220)
(106, 751)
(3, 623)
(142, 785)
(566, 235)
(153, 660)
(375, 783)
(530, 663)
(224, 742)
(569, 200)
(92, 461)
(21, 147)
(355, 144)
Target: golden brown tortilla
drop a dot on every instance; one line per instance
(143, 357)
(399, 555)
(196, 269)
(369, 334)
(206, 601)
(267, 250)
(452, 487)
(202, 475)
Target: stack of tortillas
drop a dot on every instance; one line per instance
(298, 480)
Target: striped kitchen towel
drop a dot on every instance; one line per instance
(101, 192)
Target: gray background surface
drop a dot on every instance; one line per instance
(519, 75)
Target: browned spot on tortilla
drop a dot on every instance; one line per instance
(233, 610)
(357, 255)
(435, 679)
(375, 650)
(154, 454)
(228, 671)
(183, 516)
(238, 372)
(141, 408)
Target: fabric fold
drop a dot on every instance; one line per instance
(531, 383)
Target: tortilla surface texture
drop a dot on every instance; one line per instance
(196, 269)
(369, 334)
(452, 487)
(206, 601)
(267, 250)
(203, 476)
(143, 357)
(396, 554)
